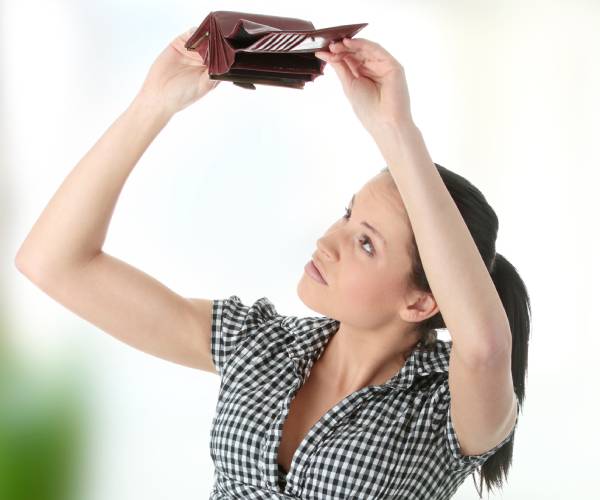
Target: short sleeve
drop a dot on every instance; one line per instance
(232, 322)
(458, 461)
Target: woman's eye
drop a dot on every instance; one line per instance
(365, 239)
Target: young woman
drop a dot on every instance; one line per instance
(365, 401)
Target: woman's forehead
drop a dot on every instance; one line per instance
(382, 193)
(381, 204)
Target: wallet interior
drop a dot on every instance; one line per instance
(292, 64)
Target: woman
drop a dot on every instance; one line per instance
(369, 404)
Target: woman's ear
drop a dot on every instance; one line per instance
(421, 307)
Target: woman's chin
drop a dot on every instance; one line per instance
(307, 295)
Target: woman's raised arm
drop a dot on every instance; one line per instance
(63, 252)
(72, 228)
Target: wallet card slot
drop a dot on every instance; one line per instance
(280, 82)
(291, 63)
(269, 74)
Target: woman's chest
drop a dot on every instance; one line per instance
(272, 419)
(310, 403)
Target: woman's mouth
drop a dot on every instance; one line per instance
(314, 273)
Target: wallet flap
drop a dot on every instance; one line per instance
(249, 29)
(254, 24)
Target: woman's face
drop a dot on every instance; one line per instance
(366, 274)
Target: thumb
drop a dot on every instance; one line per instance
(340, 67)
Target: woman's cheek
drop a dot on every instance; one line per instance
(363, 290)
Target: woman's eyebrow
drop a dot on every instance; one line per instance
(367, 225)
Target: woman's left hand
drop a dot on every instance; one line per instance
(373, 82)
(178, 77)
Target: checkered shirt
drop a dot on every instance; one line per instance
(389, 441)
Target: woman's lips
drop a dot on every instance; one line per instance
(314, 273)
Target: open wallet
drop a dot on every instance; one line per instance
(249, 49)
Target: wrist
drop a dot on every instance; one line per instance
(151, 105)
(389, 136)
(394, 128)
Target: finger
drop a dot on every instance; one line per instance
(345, 74)
(339, 47)
(179, 45)
(365, 46)
(353, 64)
(343, 57)
(343, 71)
(346, 45)
(357, 43)
(360, 66)
(329, 57)
(185, 36)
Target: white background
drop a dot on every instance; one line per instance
(233, 194)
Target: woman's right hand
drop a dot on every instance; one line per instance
(178, 77)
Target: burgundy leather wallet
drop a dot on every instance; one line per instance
(249, 49)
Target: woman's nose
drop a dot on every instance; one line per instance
(326, 246)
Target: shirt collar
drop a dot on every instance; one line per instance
(307, 337)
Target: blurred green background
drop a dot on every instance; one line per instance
(41, 430)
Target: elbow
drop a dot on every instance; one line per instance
(488, 346)
(498, 346)
(26, 267)
(496, 339)
(19, 263)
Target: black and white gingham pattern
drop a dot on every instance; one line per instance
(388, 441)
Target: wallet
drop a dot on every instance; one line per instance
(249, 49)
